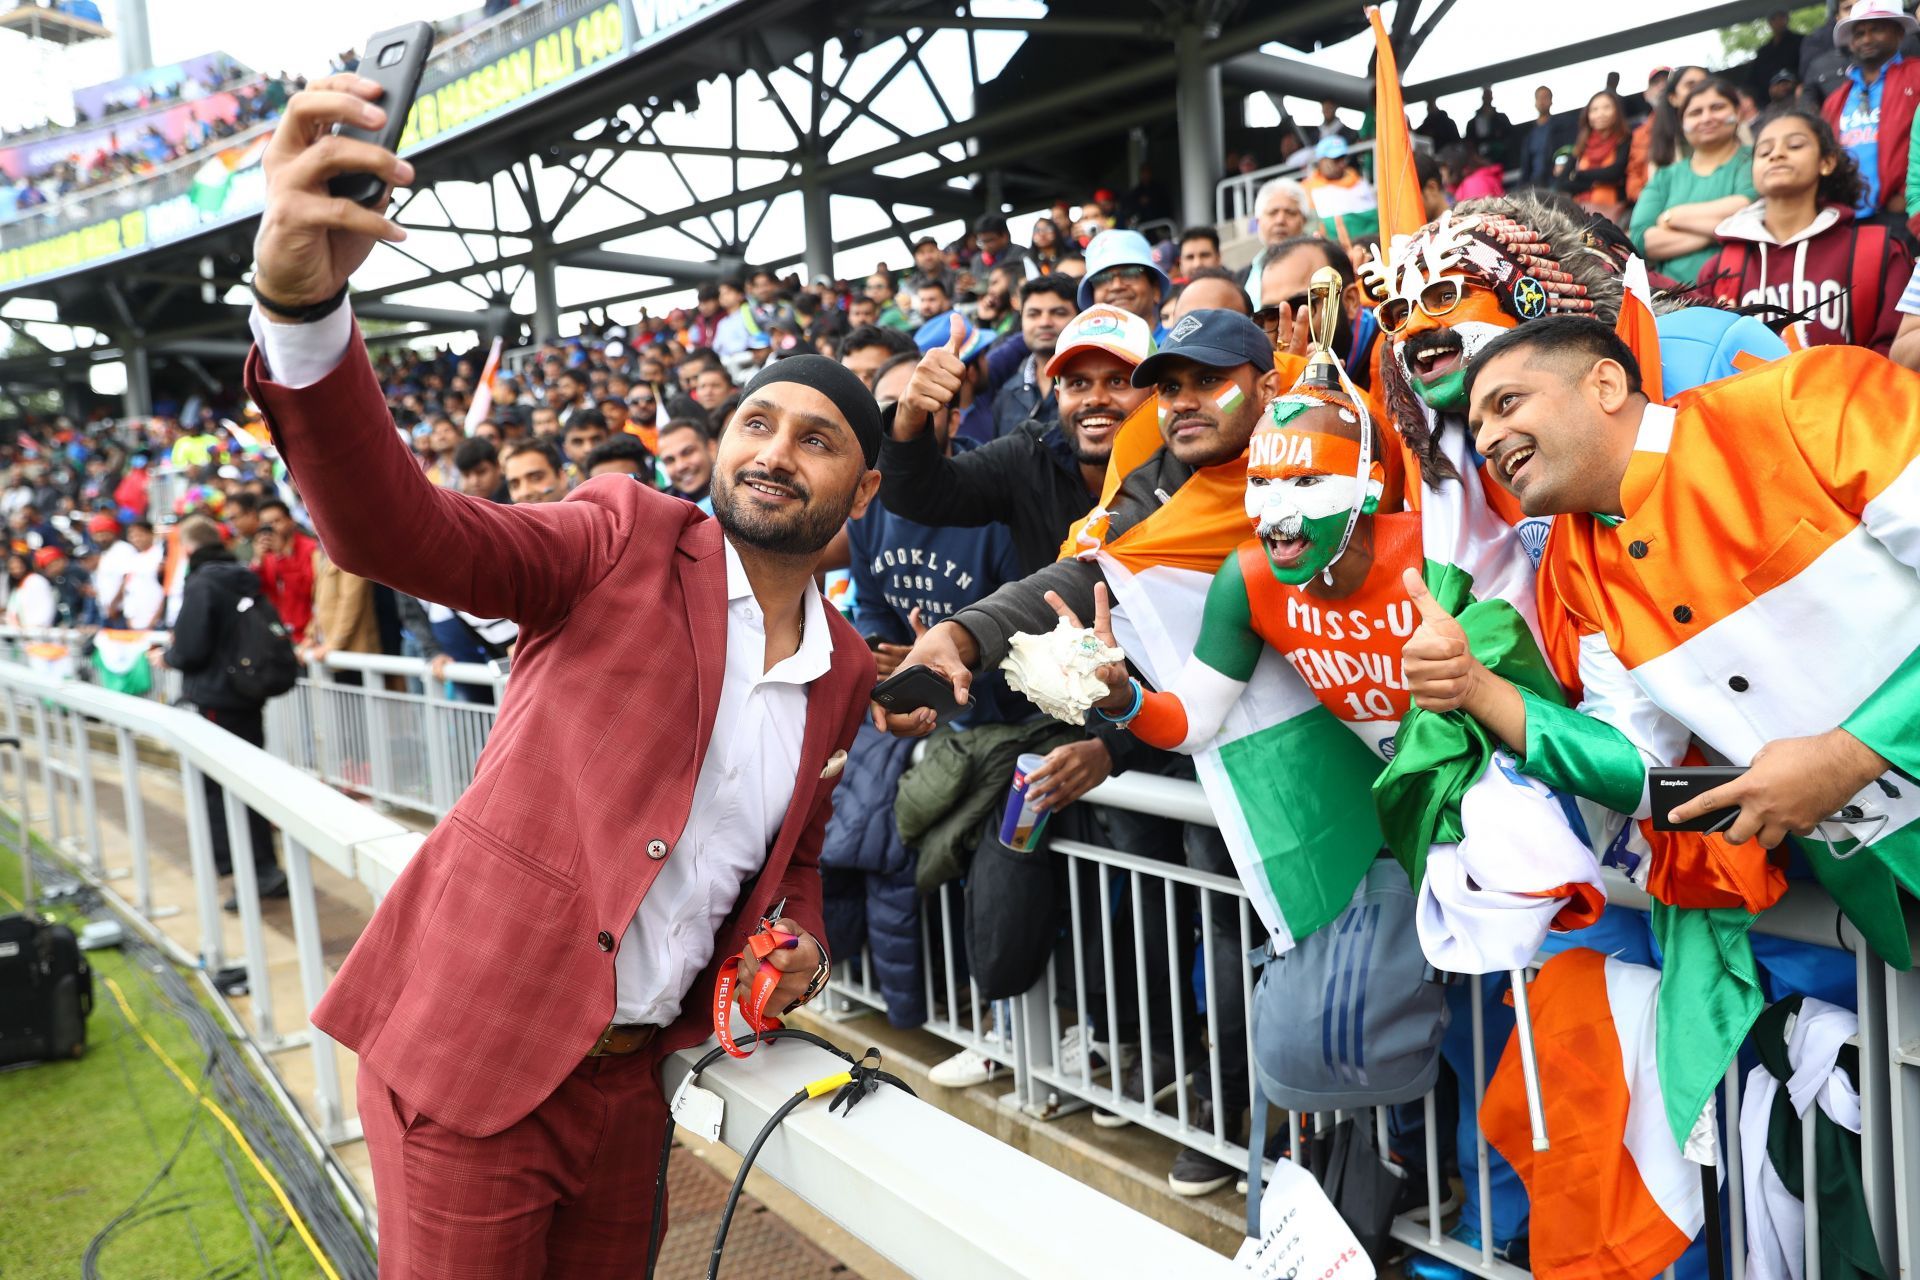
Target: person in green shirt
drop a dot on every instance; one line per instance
(1673, 224)
(193, 447)
(880, 289)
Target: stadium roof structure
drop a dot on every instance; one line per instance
(564, 105)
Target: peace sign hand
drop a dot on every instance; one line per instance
(1111, 674)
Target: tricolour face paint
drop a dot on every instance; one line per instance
(1229, 398)
(1303, 488)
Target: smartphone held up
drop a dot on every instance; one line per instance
(394, 60)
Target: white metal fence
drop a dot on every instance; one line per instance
(869, 1173)
(417, 747)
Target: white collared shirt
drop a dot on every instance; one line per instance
(739, 801)
(746, 779)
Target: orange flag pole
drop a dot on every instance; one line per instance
(1402, 210)
(1636, 328)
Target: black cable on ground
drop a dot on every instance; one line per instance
(228, 1076)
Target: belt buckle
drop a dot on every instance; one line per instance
(599, 1049)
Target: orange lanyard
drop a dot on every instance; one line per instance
(753, 998)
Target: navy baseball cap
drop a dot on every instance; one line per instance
(1212, 335)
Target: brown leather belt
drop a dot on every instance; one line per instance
(623, 1038)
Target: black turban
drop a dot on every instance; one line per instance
(837, 383)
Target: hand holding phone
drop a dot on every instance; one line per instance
(394, 60)
(311, 241)
(1669, 788)
(917, 688)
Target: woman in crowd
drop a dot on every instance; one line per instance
(30, 599)
(1597, 174)
(1657, 143)
(1043, 251)
(1798, 247)
(1469, 174)
(1684, 203)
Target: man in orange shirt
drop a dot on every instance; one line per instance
(1742, 568)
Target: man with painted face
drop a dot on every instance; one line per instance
(1212, 376)
(1462, 280)
(1179, 498)
(1320, 547)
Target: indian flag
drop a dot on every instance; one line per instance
(1402, 209)
(49, 658)
(1288, 783)
(120, 661)
(212, 179)
(1617, 1197)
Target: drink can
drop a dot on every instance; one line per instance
(1020, 829)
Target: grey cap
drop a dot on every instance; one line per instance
(1347, 1018)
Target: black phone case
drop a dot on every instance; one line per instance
(911, 688)
(398, 84)
(1669, 788)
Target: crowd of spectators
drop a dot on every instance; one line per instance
(140, 94)
(141, 147)
(1783, 183)
(1785, 186)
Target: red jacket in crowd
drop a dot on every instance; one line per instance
(1897, 102)
(287, 578)
(1845, 276)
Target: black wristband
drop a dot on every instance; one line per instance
(299, 315)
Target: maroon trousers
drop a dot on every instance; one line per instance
(566, 1192)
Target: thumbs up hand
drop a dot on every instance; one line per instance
(1440, 671)
(936, 381)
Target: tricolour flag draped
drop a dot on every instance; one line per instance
(1614, 1198)
(1288, 782)
(120, 661)
(50, 658)
(1396, 181)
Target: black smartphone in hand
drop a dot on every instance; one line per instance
(1669, 788)
(916, 687)
(395, 60)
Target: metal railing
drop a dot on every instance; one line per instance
(417, 748)
(1233, 195)
(869, 1174)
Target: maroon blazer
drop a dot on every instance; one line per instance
(487, 973)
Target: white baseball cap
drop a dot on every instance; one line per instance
(1103, 328)
(1873, 11)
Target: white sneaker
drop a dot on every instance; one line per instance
(1078, 1040)
(964, 1070)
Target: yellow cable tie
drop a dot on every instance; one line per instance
(827, 1084)
(226, 1121)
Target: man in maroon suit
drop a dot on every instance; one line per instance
(560, 931)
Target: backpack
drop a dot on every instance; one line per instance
(1863, 276)
(263, 664)
(46, 991)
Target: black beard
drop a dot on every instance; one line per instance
(1082, 455)
(799, 533)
